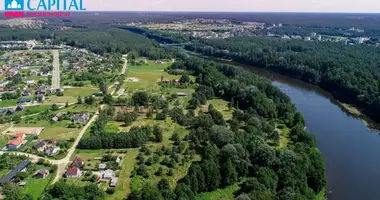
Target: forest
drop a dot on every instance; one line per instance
(350, 73)
(244, 150)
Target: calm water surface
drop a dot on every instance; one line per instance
(351, 151)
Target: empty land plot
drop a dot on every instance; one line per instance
(59, 133)
(26, 130)
(71, 95)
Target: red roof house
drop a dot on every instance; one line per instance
(77, 162)
(22, 135)
(73, 172)
(15, 143)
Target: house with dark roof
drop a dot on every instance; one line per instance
(77, 162)
(19, 108)
(42, 173)
(73, 172)
(10, 111)
(24, 100)
(26, 93)
(40, 146)
(39, 97)
(14, 172)
(82, 117)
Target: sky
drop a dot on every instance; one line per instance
(351, 6)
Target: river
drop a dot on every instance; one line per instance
(347, 145)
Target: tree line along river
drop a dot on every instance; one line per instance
(349, 148)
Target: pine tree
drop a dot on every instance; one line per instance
(79, 100)
(229, 173)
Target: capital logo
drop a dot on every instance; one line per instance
(14, 5)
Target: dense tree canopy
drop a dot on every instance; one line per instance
(350, 73)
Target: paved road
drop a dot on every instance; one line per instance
(56, 79)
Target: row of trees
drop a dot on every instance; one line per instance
(350, 73)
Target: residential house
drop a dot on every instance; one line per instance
(30, 82)
(12, 72)
(4, 83)
(102, 166)
(82, 117)
(14, 172)
(58, 116)
(108, 174)
(3, 111)
(73, 172)
(19, 108)
(53, 141)
(181, 94)
(113, 182)
(42, 173)
(40, 146)
(39, 97)
(26, 93)
(22, 183)
(117, 160)
(24, 100)
(77, 162)
(10, 111)
(21, 135)
(51, 151)
(15, 143)
(45, 73)
(13, 89)
(41, 91)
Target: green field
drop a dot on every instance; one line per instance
(36, 109)
(148, 76)
(53, 130)
(8, 103)
(36, 187)
(71, 95)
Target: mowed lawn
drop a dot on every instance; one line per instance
(56, 130)
(61, 133)
(148, 75)
(8, 103)
(71, 95)
(36, 187)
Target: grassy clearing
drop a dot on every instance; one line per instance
(71, 95)
(36, 187)
(36, 109)
(122, 188)
(225, 193)
(284, 135)
(222, 106)
(80, 108)
(59, 133)
(8, 103)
